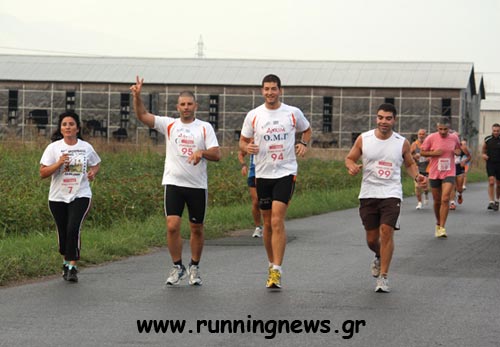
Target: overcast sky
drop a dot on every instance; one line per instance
(399, 30)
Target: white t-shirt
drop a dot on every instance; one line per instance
(70, 181)
(182, 140)
(382, 160)
(274, 132)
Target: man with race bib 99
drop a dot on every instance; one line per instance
(268, 133)
(383, 152)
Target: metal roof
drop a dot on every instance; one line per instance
(196, 71)
(480, 90)
(491, 103)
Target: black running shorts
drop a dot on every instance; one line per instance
(195, 199)
(270, 189)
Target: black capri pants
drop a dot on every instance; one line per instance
(69, 219)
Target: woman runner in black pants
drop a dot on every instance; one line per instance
(72, 163)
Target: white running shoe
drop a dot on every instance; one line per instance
(194, 275)
(375, 267)
(175, 276)
(257, 232)
(426, 200)
(419, 206)
(382, 285)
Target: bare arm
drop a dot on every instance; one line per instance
(92, 172)
(485, 151)
(468, 156)
(140, 110)
(353, 156)
(241, 159)
(47, 171)
(435, 153)
(301, 147)
(212, 154)
(413, 151)
(246, 145)
(411, 166)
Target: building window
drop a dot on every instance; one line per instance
(390, 101)
(446, 108)
(237, 135)
(354, 136)
(213, 111)
(154, 100)
(124, 110)
(327, 114)
(13, 105)
(70, 101)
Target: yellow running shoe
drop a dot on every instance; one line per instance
(274, 279)
(442, 233)
(437, 232)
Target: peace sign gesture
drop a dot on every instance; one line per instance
(140, 111)
(136, 88)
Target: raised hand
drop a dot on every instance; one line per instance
(136, 88)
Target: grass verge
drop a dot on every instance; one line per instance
(35, 255)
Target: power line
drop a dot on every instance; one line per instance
(49, 51)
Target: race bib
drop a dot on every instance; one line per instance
(73, 171)
(70, 185)
(275, 152)
(444, 164)
(384, 169)
(185, 146)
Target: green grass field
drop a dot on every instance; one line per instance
(127, 208)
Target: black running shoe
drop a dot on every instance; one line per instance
(65, 272)
(491, 206)
(72, 277)
(495, 207)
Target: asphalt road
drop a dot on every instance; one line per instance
(444, 292)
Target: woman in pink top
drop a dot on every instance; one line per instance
(441, 147)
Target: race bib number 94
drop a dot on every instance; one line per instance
(276, 152)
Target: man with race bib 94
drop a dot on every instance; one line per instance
(268, 133)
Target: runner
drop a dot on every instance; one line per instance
(467, 165)
(383, 152)
(72, 164)
(460, 161)
(190, 143)
(491, 154)
(268, 132)
(422, 163)
(249, 173)
(441, 147)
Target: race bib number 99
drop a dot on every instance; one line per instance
(384, 170)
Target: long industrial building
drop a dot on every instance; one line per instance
(338, 97)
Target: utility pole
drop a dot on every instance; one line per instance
(200, 53)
